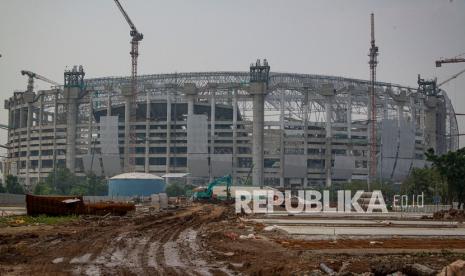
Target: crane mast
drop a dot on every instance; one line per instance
(372, 106)
(129, 137)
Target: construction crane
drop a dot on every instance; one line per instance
(136, 36)
(449, 60)
(451, 78)
(32, 76)
(372, 106)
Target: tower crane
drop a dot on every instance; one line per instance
(455, 59)
(451, 78)
(129, 132)
(372, 105)
(32, 76)
(136, 37)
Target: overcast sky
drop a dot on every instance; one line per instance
(316, 37)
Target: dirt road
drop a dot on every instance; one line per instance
(142, 245)
(194, 240)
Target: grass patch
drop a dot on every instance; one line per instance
(35, 220)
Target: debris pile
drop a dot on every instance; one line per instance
(114, 208)
(455, 268)
(451, 214)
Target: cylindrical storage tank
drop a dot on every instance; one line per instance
(135, 184)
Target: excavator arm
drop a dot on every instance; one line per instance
(207, 194)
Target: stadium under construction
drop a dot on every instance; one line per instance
(265, 128)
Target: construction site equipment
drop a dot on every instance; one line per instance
(54, 205)
(449, 60)
(451, 78)
(32, 76)
(129, 150)
(206, 194)
(372, 105)
(73, 205)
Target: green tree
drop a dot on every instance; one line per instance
(43, 188)
(2, 189)
(59, 182)
(92, 185)
(451, 168)
(13, 186)
(424, 180)
(66, 183)
(175, 189)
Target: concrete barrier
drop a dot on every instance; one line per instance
(94, 199)
(163, 200)
(12, 200)
(424, 209)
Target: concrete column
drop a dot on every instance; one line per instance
(147, 133)
(258, 90)
(349, 119)
(40, 123)
(400, 111)
(89, 124)
(370, 140)
(422, 116)
(168, 132)
(22, 117)
(55, 132)
(431, 123)
(190, 104)
(306, 107)
(127, 133)
(386, 103)
(234, 149)
(328, 141)
(281, 142)
(109, 104)
(190, 90)
(71, 96)
(28, 145)
(212, 130)
(20, 132)
(385, 117)
(350, 146)
(413, 123)
(9, 135)
(14, 110)
(17, 135)
(328, 92)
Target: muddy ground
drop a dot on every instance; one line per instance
(202, 239)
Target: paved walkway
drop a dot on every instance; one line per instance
(353, 222)
(372, 231)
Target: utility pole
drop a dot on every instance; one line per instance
(372, 106)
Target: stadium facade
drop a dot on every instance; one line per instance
(268, 128)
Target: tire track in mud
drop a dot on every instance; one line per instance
(161, 244)
(178, 252)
